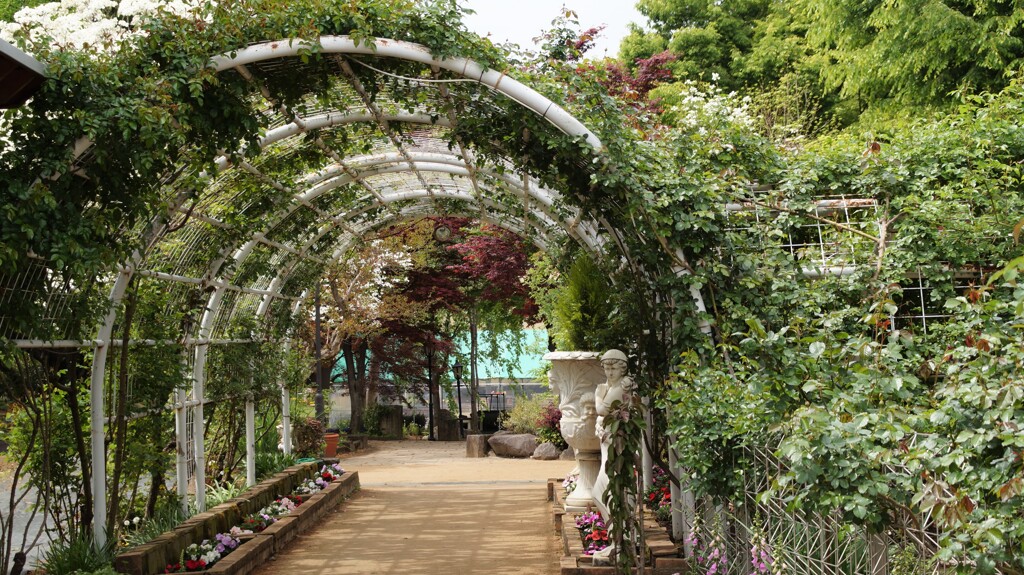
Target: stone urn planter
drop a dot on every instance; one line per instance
(575, 375)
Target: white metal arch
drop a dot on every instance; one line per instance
(411, 52)
(493, 79)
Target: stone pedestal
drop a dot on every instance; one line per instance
(477, 446)
(575, 375)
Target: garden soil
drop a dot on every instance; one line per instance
(425, 508)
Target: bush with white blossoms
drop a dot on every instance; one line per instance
(80, 24)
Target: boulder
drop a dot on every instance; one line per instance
(568, 454)
(547, 451)
(513, 444)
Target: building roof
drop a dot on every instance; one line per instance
(20, 76)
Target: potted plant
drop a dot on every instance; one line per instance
(331, 438)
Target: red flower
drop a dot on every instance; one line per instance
(172, 568)
(197, 565)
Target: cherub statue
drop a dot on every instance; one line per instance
(617, 387)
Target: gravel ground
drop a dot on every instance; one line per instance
(23, 520)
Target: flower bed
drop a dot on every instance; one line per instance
(663, 557)
(658, 497)
(237, 536)
(593, 532)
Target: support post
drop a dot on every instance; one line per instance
(250, 441)
(181, 441)
(199, 424)
(676, 494)
(318, 399)
(286, 421)
(286, 404)
(96, 422)
(878, 555)
(647, 459)
(99, 449)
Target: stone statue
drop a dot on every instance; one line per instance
(617, 387)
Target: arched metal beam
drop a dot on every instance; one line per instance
(383, 47)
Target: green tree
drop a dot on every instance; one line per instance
(9, 7)
(915, 52)
(707, 36)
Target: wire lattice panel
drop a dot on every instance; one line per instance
(809, 543)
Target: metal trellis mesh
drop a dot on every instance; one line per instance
(810, 543)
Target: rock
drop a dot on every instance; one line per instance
(476, 446)
(568, 454)
(547, 451)
(513, 444)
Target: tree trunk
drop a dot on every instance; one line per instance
(435, 386)
(360, 357)
(356, 389)
(373, 381)
(84, 460)
(474, 382)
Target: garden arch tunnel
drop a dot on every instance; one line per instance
(355, 137)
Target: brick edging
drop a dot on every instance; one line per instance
(153, 557)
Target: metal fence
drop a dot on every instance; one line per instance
(803, 543)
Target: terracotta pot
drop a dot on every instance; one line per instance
(331, 449)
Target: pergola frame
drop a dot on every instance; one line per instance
(538, 220)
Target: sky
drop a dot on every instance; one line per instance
(519, 21)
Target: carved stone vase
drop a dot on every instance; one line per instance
(575, 375)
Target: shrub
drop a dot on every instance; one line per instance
(549, 428)
(217, 492)
(270, 462)
(371, 419)
(523, 416)
(527, 412)
(78, 555)
(412, 429)
(308, 437)
(165, 518)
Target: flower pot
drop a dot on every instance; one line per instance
(331, 447)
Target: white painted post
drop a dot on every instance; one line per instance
(181, 439)
(96, 420)
(675, 492)
(199, 424)
(286, 400)
(648, 461)
(250, 441)
(99, 449)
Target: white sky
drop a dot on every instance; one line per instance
(519, 21)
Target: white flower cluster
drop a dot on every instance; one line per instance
(86, 23)
(699, 108)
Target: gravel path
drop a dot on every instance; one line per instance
(425, 508)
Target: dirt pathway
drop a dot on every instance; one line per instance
(425, 508)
